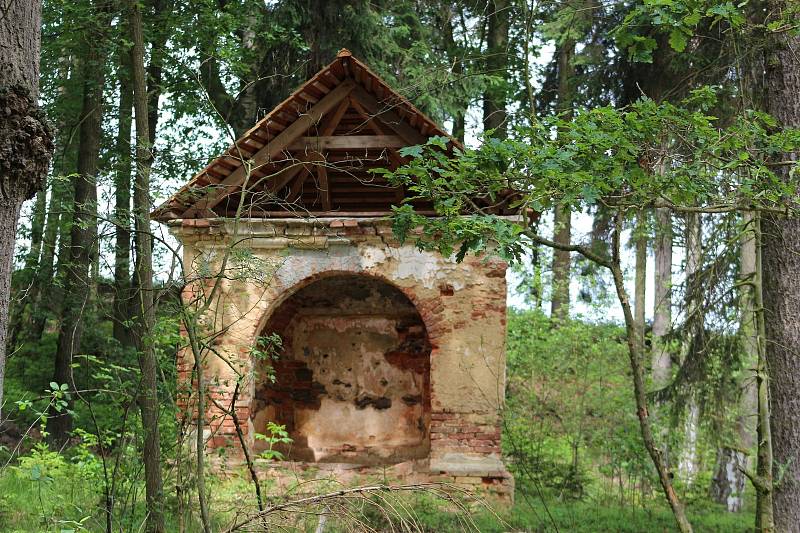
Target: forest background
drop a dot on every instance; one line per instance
(656, 138)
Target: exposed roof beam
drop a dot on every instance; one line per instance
(332, 121)
(239, 176)
(297, 186)
(344, 142)
(322, 176)
(389, 117)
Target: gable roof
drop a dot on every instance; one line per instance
(313, 152)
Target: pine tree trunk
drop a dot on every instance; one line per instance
(781, 263)
(145, 315)
(494, 97)
(122, 208)
(25, 140)
(83, 231)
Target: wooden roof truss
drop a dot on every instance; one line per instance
(313, 154)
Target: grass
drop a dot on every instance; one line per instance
(62, 497)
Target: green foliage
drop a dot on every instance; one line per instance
(679, 19)
(645, 155)
(277, 435)
(570, 417)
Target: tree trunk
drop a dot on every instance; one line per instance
(636, 356)
(562, 218)
(37, 230)
(83, 233)
(25, 280)
(143, 242)
(455, 58)
(559, 299)
(640, 279)
(494, 97)
(662, 307)
(42, 304)
(160, 32)
(729, 481)
(687, 465)
(763, 480)
(26, 144)
(781, 261)
(122, 208)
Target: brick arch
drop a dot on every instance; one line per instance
(427, 309)
(308, 388)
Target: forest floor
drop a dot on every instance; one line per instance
(44, 499)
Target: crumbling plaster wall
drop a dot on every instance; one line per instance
(351, 381)
(463, 307)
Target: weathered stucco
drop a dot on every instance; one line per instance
(283, 278)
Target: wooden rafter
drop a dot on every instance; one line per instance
(333, 120)
(285, 176)
(395, 158)
(322, 177)
(297, 186)
(344, 142)
(238, 177)
(388, 116)
(345, 111)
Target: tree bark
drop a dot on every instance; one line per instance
(640, 279)
(143, 242)
(687, 465)
(781, 262)
(83, 231)
(729, 481)
(122, 208)
(662, 308)
(26, 144)
(562, 218)
(494, 97)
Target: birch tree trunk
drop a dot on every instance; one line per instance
(781, 262)
(145, 315)
(26, 144)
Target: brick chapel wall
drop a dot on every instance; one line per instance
(463, 307)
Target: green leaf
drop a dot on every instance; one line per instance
(678, 40)
(411, 151)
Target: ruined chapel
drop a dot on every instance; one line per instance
(391, 360)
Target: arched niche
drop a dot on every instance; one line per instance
(351, 382)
